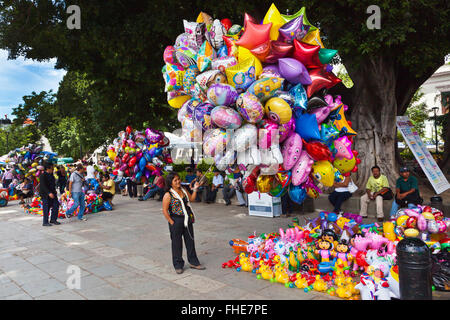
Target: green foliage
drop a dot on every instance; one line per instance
(18, 136)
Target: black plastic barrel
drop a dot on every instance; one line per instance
(436, 202)
(414, 269)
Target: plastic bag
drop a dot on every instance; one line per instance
(440, 271)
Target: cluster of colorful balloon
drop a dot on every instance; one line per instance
(27, 160)
(139, 154)
(256, 96)
(330, 253)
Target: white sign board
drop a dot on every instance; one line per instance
(423, 156)
(263, 205)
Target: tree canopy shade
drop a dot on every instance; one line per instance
(119, 50)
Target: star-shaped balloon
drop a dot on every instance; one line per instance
(328, 133)
(271, 51)
(306, 126)
(343, 148)
(294, 29)
(302, 11)
(232, 48)
(313, 38)
(273, 16)
(326, 55)
(245, 54)
(340, 122)
(307, 54)
(254, 34)
(321, 79)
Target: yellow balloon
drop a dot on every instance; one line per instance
(344, 165)
(244, 54)
(242, 75)
(401, 221)
(273, 16)
(323, 171)
(111, 154)
(313, 38)
(428, 215)
(389, 233)
(204, 18)
(177, 102)
(411, 232)
(341, 123)
(264, 183)
(278, 110)
(34, 165)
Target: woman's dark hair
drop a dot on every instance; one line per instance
(169, 180)
(48, 165)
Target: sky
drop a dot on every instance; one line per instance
(22, 76)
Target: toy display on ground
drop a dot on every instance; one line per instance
(338, 255)
(94, 203)
(256, 96)
(139, 154)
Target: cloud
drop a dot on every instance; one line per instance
(22, 76)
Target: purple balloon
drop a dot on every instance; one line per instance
(286, 129)
(221, 94)
(294, 29)
(202, 116)
(153, 136)
(294, 71)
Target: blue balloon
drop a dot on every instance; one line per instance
(306, 126)
(158, 152)
(142, 163)
(328, 134)
(107, 206)
(297, 194)
(300, 99)
(222, 52)
(147, 156)
(332, 217)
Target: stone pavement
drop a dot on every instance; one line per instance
(125, 254)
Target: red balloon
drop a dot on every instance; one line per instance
(226, 23)
(317, 150)
(320, 79)
(307, 54)
(132, 162)
(129, 129)
(125, 157)
(271, 51)
(115, 172)
(249, 18)
(254, 34)
(249, 183)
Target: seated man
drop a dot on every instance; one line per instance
(156, 188)
(109, 188)
(406, 192)
(217, 183)
(202, 180)
(190, 175)
(376, 186)
(342, 192)
(235, 185)
(25, 190)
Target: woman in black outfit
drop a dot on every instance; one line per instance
(62, 179)
(178, 212)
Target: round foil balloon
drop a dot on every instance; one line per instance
(226, 117)
(267, 134)
(278, 110)
(286, 129)
(249, 107)
(221, 94)
(214, 141)
(244, 137)
(153, 136)
(264, 183)
(202, 116)
(297, 194)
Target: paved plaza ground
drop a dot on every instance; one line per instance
(125, 254)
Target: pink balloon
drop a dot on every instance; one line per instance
(321, 113)
(291, 151)
(301, 169)
(267, 134)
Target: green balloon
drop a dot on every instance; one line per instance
(300, 12)
(326, 55)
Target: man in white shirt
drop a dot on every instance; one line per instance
(217, 183)
(90, 171)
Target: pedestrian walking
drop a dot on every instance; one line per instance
(76, 182)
